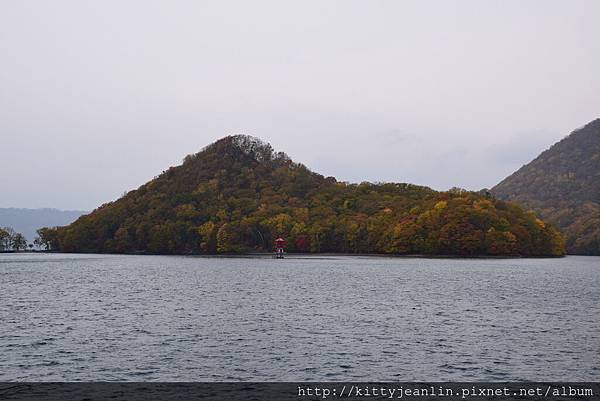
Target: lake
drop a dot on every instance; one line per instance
(174, 318)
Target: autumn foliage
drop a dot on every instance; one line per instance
(563, 186)
(238, 195)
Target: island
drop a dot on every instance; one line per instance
(238, 195)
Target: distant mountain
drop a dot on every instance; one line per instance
(27, 221)
(563, 185)
(238, 195)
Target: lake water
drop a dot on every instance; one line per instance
(146, 318)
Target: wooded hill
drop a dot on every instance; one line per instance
(563, 186)
(238, 195)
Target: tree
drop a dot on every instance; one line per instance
(4, 239)
(19, 242)
(47, 238)
(225, 239)
(208, 240)
(7, 238)
(121, 241)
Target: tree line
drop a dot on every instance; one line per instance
(10, 240)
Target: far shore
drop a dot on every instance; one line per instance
(307, 255)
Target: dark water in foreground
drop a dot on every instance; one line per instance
(138, 318)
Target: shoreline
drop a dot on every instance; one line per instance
(269, 255)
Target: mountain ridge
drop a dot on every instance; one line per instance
(562, 185)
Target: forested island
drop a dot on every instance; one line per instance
(238, 195)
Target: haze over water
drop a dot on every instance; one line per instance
(149, 318)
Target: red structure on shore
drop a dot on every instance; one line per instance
(279, 248)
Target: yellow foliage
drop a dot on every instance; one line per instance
(200, 189)
(482, 204)
(510, 237)
(222, 214)
(441, 205)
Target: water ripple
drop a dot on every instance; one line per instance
(147, 318)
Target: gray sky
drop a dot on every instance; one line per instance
(98, 97)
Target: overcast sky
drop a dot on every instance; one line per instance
(97, 97)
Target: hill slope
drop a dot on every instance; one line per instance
(238, 195)
(563, 185)
(27, 221)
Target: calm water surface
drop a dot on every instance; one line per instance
(93, 317)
